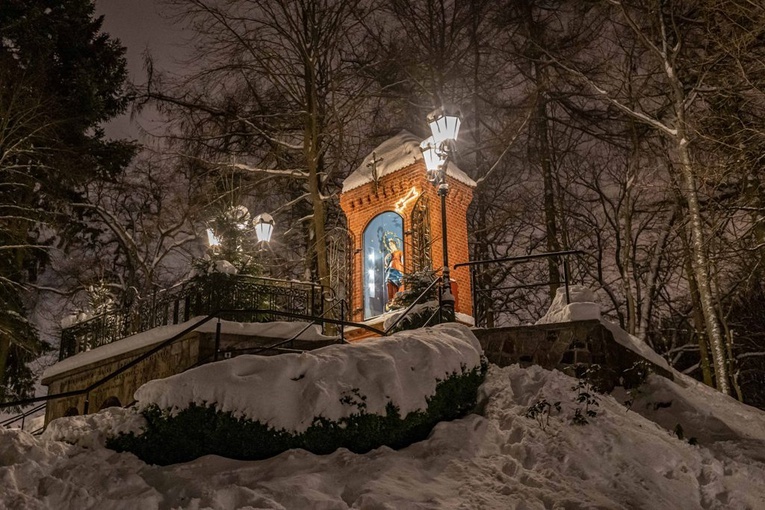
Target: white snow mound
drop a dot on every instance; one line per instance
(92, 430)
(581, 306)
(290, 390)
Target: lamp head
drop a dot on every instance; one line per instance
(432, 157)
(264, 227)
(444, 124)
(212, 239)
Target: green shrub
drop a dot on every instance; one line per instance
(203, 430)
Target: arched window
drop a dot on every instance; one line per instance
(383, 262)
(420, 256)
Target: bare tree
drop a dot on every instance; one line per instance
(273, 96)
(681, 66)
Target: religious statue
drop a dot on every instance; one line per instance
(394, 268)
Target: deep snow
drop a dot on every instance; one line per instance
(290, 390)
(501, 460)
(496, 459)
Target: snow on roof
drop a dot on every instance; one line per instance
(276, 330)
(291, 390)
(394, 154)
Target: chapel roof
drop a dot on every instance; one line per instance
(392, 155)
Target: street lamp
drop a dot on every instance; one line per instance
(436, 151)
(264, 227)
(232, 230)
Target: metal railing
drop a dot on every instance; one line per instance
(485, 299)
(21, 417)
(417, 301)
(218, 314)
(200, 296)
(230, 313)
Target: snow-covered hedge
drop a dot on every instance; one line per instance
(389, 391)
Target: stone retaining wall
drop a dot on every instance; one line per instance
(193, 349)
(567, 347)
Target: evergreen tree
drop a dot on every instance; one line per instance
(60, 77)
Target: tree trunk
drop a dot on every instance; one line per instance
(652, 281)
(700, 263)
(5, 347)
(312, 153)
(698, 318)
(539, 128)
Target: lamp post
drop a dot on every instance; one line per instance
(436, 151)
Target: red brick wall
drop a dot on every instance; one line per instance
(362, 204)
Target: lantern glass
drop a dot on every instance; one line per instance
(444, 126)
(264, 227)
(429, 154)
(212, 239)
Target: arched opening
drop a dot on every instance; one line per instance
(110, 402)
(383, 262)
(72, 411)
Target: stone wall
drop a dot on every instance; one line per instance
(565, 346)
(189, 351)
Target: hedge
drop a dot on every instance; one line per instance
(203, 430)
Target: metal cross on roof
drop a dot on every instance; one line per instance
(373, 165)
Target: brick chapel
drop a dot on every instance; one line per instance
(394, 216)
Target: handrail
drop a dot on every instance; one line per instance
(164, 344)
(112, 375)
(477, 293)
(520, 258)
(22, 416)
(409, 308)
(295, 336)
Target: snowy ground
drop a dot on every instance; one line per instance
(498, 460)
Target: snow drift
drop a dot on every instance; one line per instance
(289, 391)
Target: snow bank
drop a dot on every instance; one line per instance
(290, 390)
(276, 329)
(92, 430)
(498, 461)
(394, 154)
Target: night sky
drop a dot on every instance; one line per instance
(140, 27)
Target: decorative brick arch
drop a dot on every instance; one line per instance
(421, 241)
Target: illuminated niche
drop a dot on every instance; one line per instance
(383, 262)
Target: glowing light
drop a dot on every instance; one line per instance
(264, 227)
(212, 240)
(401, 204)
(445, 125)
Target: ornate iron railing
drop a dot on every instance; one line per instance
(201, 296)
